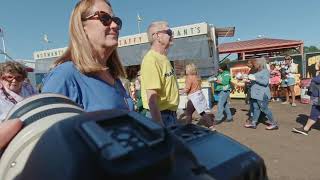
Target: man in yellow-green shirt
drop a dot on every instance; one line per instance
(159, 89)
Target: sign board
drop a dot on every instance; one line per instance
(178, 32)
(312, 64)
(49, 53)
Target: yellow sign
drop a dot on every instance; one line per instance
(238, 83)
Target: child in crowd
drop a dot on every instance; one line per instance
(275, 79)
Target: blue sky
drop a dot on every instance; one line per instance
(25, 22)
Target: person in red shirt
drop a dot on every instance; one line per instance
(196, 99)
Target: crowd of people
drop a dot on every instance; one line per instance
(90, 73)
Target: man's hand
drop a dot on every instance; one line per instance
(8, 130)
(153, 106)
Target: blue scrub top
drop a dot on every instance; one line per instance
(90, 92)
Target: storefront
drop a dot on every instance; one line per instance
(274, 49)
(194, 43)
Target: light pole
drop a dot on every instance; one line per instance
(3, 44)
(139, 19)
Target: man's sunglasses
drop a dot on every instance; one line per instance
(104, 18)
(168, 31)
(10, 78)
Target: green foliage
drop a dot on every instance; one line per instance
(308, 49)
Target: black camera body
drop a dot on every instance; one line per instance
(117, 144)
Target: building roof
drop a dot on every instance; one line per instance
(263, 44)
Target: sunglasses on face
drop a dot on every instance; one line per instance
(10, 78)
(168, 31)
(104, 18)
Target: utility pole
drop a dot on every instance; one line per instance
(139, 19)
(3, 44)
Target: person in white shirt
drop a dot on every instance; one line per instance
(13, 87)
(288, 79)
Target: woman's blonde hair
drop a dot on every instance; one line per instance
(80, 50)
(191, 69)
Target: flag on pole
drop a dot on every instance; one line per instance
(139, 17)
(1, 32)
(45, 38)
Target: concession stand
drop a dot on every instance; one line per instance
(273, 49)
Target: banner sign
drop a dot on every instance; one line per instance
(312, 64)
(178, 32)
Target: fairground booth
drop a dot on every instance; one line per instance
(195, 43)
(274, 49)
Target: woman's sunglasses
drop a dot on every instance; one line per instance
(104, 18)
(168, 31)
(10, 78)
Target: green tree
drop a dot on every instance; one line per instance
(308, 49)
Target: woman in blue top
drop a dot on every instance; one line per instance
(89, 71)
(260, 95)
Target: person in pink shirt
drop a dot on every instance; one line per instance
(275, 79)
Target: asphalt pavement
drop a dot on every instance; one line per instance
(288, 156)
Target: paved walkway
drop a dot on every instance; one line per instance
(288, 156)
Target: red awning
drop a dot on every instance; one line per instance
(264, 44)
(29, 69)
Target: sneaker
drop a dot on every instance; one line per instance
(250, 125)
(229, 120)
(272, 100)
(212, 128)
(300, 131)
(286, 102)
(278, 99)
(293, 104)
(272, 127)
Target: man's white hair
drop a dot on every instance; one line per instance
(154, 27)
(262, 63)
